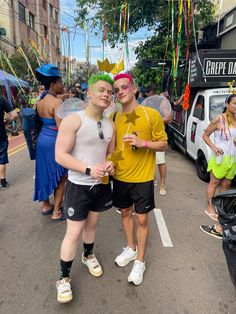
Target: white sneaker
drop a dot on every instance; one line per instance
(136, 275)
(64, 293)
(126, 256)
(93, 265)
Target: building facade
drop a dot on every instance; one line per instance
(32, 21)
(227, 29)
(225, 6)
(221, 34)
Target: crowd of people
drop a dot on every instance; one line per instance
(77, 156)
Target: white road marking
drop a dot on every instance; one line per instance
(165, 237)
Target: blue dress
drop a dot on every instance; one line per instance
(48, 172)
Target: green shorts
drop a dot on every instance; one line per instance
(226, 169)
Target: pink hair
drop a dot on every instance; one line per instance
(124, 75)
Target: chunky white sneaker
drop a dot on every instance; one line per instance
(136, 275)
(93, 265)
(126, 256)
(64, 293)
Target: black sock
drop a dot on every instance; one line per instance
(88, 249)
(65, 268)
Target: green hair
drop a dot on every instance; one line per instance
(100, 77)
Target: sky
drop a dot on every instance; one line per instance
(78, 39)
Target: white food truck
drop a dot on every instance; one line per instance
(208, 91)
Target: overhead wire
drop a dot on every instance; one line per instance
(75, 31)
(59, 9)
(37, 23)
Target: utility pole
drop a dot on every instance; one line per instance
(69, 61)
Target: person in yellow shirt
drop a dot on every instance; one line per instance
(140, 133)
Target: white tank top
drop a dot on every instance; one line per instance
(224, 138)
(89, 148)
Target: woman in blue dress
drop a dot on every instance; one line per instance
(50, 177)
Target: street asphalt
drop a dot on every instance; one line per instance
(189, 277)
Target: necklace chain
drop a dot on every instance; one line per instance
(52, 93)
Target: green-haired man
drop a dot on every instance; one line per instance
(85, 138)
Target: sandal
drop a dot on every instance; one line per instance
(211, 215)
(48, 212)
(61, 218)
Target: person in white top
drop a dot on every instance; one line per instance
(222, 162)
(160, 156)
(85, 139)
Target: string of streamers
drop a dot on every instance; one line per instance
(124, 27)
(195, 39)
(176, 53)
(172, 35)
(105, 65)
(167, 40)
(124, 18)
(45, 42)
(188, 22)
(127, 50)
(226, 124)
(36, 52)
(21, 51)
(104, 37)
(67, 52)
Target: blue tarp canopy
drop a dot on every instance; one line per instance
(11, 80)
(7, 80)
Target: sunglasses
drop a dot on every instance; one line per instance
(100, 133)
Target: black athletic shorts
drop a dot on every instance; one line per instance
(80, 199)
(3, 152)
(141, 195)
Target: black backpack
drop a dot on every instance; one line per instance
(31, 125)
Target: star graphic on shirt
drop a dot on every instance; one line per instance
(131, 117)
(116, 157)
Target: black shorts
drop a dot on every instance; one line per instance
(3, 152)
(80, 199)
(141, 195)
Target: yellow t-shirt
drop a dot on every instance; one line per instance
(139, 165)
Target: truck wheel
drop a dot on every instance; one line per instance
(201, 166)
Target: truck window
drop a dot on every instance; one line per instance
(216, 105)
(199, 108)
(178, 118)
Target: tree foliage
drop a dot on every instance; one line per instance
(153, 14)
(142, 13)
(160, 46)
(19, 64)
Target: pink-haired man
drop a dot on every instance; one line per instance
(140, 133)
